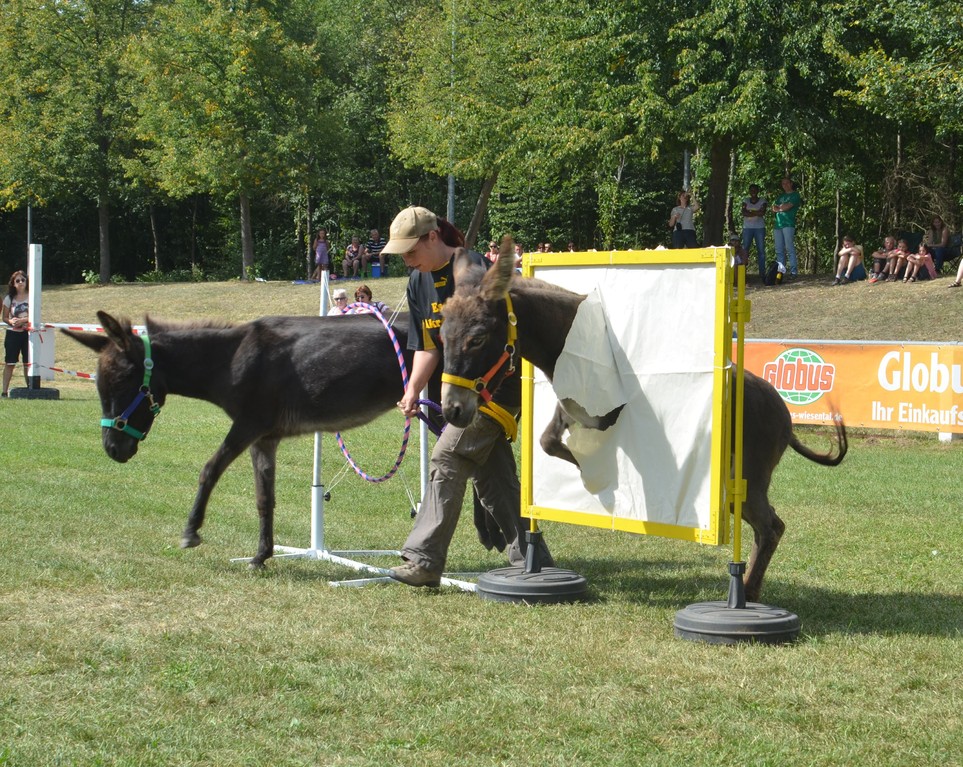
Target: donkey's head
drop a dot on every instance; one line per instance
(479, 346)
(124, 372)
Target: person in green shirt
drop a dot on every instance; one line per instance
(786, 206)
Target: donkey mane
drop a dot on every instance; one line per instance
(160, 325)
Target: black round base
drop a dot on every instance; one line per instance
(717, 623)
(552, 585)
(24, 393)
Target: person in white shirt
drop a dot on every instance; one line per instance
(754, 226)
(682, 224)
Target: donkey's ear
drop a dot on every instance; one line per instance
(117, 330)
(467, 274)
(94, 341)
(496, 281)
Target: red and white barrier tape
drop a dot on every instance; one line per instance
(138, 329)
(88, 376)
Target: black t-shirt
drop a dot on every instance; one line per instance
(427, 293)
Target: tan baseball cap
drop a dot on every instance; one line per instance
(408, 227)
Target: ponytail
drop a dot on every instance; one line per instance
(449, 234)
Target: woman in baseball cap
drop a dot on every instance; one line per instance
(479, 452)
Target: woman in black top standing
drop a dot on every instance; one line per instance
(14, 313)
(481, 451)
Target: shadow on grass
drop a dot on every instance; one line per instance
(823, 611)
(672, 584)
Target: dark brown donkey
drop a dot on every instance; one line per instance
(275, 377)
(475, 329)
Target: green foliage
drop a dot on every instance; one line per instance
(164, 115)
(224, 98)
(174, 275)
(66, 101)
(903, 57)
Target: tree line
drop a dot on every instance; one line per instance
(213, 137)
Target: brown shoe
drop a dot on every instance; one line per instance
(415, 575)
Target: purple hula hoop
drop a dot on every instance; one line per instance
(360, 308)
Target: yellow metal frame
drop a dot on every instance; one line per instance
(728, 311)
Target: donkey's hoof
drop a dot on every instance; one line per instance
(190, 540)
(255, 565)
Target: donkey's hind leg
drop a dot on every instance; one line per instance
(210, 474)
(767, 530)
(264, 458)
(551, 439)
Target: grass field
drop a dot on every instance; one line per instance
(119, 648)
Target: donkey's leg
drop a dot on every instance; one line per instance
(551, 439)
(767, 530)
(230, 449)
(264, 457)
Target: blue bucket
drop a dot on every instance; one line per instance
(375, 270)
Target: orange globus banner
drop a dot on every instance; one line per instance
(916, 387)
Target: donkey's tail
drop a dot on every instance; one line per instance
(835, 455)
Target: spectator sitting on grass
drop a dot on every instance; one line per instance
(850, 266)
(959, 276)
(921, 258)
(896, 264)
(881, 258)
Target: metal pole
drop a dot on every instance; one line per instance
(450, 214)
(317, 484)
(451, 198)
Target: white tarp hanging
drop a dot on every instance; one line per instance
(644, 337)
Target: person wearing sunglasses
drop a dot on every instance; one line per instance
(15, 306)
(363, 296)
(340, 299)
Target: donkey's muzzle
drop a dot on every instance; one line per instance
(119, 447)
(458, 405)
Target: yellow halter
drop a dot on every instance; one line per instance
(480, 385)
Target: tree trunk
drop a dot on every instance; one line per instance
(155, 234)
(103, 217)
(481, 208)
(730, 224)
(194, 235)
(247, 239)
(898, 203)
(714, 215)
(609, 189)
(309, 229)
(838, 227)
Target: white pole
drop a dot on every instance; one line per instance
(317, 485)
(423, 450)
(35, 278)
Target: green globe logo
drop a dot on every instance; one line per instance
(800, 376)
